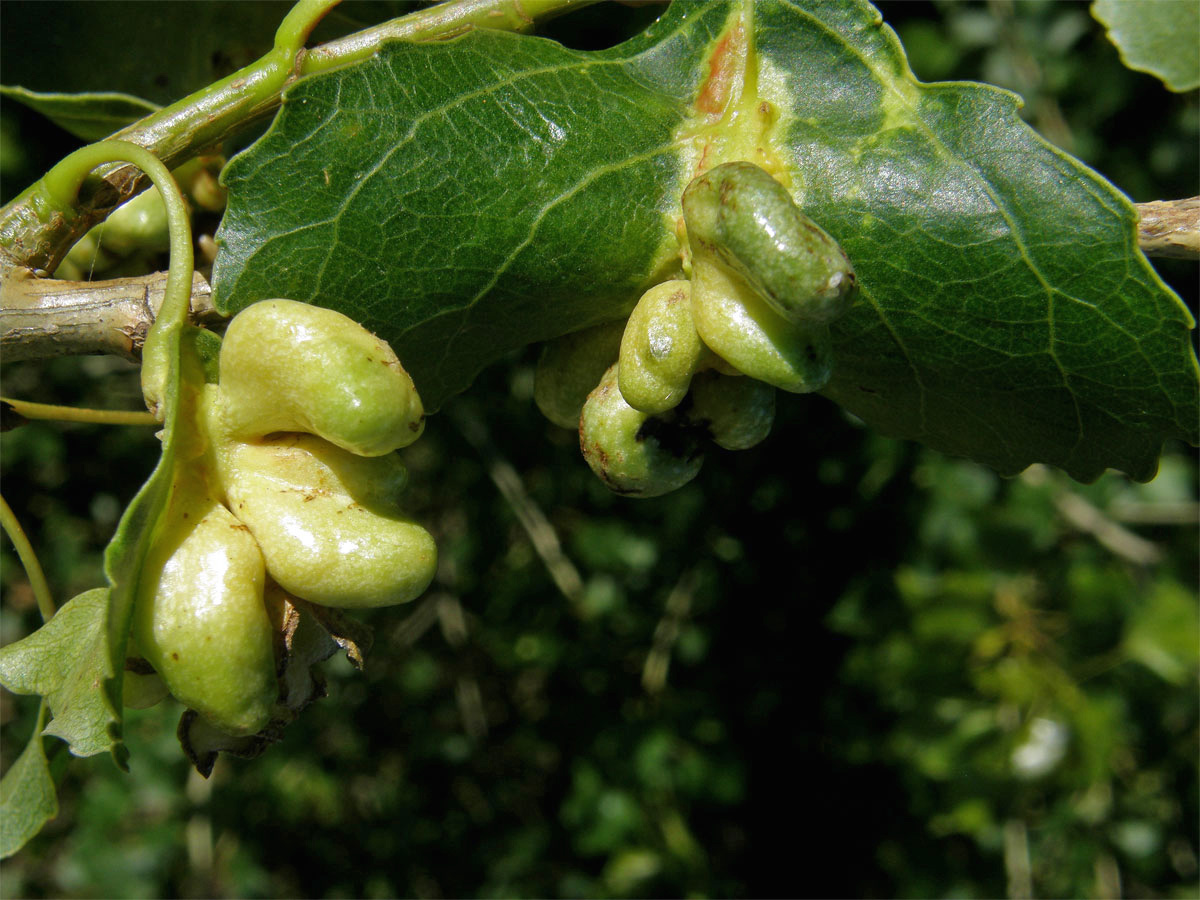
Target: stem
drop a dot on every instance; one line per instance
(1170, 228)
(61, 185)
(43, 318)
(33, 568)
(438, 23)
(298, 24)
(35, 235)
(29, 410)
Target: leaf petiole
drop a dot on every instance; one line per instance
(48, 411)
(61, 185)
(298, 24)
(33, 568)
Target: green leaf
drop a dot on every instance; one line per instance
(464, 199)
(1163, 634)
(67, 662)
(116, 47)
(1006, 312)
(467, 198)
(87, 116)
(27, 795)
(1161, 37)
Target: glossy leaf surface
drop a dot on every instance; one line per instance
(467, 198)
(160, 58)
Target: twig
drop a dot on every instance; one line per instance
(1086, 517)
(1170, 228)
(1120, 540)
(666, 633)
(1181, 512)
(467, 694)
(24, 410)
(413, 626)
(1017, 864)
(42, 318)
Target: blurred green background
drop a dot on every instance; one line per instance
(834, 665)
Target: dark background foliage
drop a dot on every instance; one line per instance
(834, 665)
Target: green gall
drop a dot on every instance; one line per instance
(327, 521)
(289, 366)
(741, 216)
(736, 412)
(569, 368)
(199, 617)
(737, 325)
(635, 454)
(138, 224)
(660, 349)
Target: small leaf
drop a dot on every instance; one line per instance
(116, 47)
(27, 795)
(1161, 37)
(1164, 634)
(67, 662)
(77, 659)
(87, 116)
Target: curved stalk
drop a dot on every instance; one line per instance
(60, 186)
(33, 568)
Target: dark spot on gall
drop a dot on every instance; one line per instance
(675, 435)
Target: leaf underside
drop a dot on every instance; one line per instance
(90, 116)
(67, 662)
(27, 797)
(467, 198)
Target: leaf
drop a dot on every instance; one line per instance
(1006, 313)
(87, 116)
(27, 795)
(66, 661)
(1163, 634)
(181, 48)
(464, 199)
(522, 189)
(134, 62)
(1161, 37)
